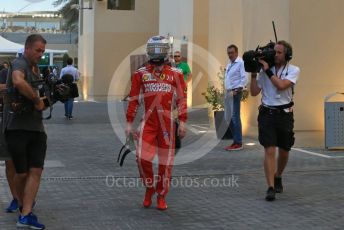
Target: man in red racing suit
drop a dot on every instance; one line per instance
(162, 88)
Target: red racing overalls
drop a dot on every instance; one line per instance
(161, 93)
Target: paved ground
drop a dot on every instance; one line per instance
(83, 187)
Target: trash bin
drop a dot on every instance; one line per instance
(334, 121)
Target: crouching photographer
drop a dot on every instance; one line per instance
(275, 120)
(24, 131)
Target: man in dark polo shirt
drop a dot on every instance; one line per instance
(23, 127)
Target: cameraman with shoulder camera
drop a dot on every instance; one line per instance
(275, 119)
(24, 131)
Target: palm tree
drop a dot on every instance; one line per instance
(69, 14)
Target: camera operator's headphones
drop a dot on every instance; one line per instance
(288, 51)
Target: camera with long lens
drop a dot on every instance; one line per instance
(54, 90)
(251, 57)
(51, 88)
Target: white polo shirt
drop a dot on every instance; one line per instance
(270, 95)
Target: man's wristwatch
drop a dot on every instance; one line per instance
(269, 73)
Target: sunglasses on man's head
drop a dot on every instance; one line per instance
(176, 56)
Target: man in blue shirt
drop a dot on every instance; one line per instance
(69, 69)
(235, 81)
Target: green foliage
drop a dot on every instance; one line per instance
(215, 97)
(245, 94)
(70, 16)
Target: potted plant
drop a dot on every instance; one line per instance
(215, 96)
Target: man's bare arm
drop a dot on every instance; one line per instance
(18, 79)
(254, 89)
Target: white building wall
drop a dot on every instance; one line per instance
(176, 19)
(86, 52)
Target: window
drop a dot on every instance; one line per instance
(121, 4)
(137, 61)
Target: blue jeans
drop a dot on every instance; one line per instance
(69, 107)
(234, 109)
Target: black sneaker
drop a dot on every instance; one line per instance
(278, 185)
(270, 194)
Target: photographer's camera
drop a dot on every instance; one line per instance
(266, 53)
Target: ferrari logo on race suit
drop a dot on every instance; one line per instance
(162, 76)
